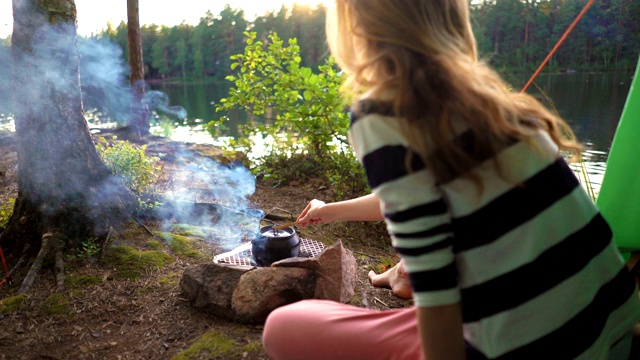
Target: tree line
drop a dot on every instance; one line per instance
(513, 35)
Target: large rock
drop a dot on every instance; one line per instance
(248, 295)
(264, 289)
(209, 287)
(337, 275)
(336, 272)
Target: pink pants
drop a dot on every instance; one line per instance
(322, 329)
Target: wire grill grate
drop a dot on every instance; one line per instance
(241, 256)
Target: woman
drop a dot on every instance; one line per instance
(506, 254)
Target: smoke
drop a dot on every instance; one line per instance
(104, 79)
(104, 76)
(201, 191)
(105, 83)
(160, 102)
(5, 81)
(213, 196)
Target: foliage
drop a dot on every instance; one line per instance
(299, 106)
(6, 210)
(304, 115)
(341, 170)
(518, 35)
(138, 171)
(89, 248)
(513, 34)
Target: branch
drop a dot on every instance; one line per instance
(59, 265)
(106, 242)
(37, 264)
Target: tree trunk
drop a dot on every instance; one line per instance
(139, 117)
(65, 191)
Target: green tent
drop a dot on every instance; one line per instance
(619, 198)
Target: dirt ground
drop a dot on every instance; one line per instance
(105, 316)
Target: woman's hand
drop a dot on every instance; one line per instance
(313, 214)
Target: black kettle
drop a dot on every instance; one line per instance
(272, 245)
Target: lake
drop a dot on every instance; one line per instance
(591, 103)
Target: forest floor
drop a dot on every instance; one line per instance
(125, 302)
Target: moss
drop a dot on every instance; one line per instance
(154, 245)
(10, 304)
(170, 279)
(213, 344)
(131, 263)
(57, 304)
(74, 281)
(253, 347)
(356, 299)
(133, 232)
(125, 274)
(144, 291)
(188, 230)
(76, 294)
(181, 245)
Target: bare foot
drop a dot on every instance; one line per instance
(394, 278)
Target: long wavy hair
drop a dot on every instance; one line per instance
(424, 53)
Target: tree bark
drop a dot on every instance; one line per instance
(139, 116)
(64, 187)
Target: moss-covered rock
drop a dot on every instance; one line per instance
(13, 303)
(57, 304)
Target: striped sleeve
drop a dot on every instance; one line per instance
(416, 215)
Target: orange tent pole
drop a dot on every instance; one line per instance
(553, 51)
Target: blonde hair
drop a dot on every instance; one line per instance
(424, 51)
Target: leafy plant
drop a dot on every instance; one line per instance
(138, 171)
(89, 248)
(302, 111)
(299, 106)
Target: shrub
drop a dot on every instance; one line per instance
(138, 171)
(303, 114)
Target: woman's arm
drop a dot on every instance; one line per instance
(440, 329)
(364, 208)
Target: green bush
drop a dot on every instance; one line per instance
(303, 114)
(138, 171)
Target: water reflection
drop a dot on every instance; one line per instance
(591, 104)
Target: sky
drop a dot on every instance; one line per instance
(93, 15)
